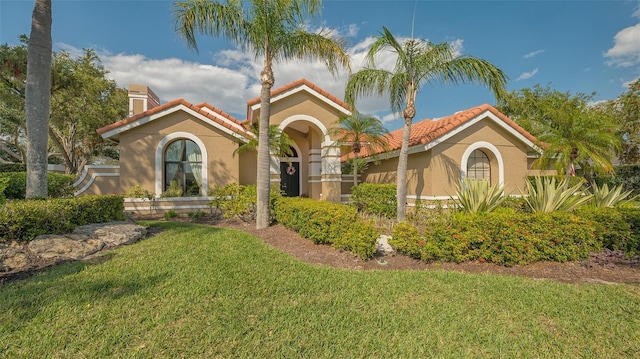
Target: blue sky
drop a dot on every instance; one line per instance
(575, 46)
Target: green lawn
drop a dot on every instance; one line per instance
(200, 292)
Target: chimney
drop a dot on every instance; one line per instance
(141, 99)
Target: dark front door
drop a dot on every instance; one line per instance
(290, 178)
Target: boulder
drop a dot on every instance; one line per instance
(84, 241)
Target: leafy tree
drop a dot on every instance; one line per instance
(274, 30)
(87, 101)
(627, 110)
(572, 132)
(13, 75)
(37, 98)
(418, 63)
(82, 100)
(360, 132)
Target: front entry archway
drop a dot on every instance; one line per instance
(290, 175)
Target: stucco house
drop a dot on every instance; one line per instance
(194, 146)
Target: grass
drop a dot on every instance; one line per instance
(199, 292)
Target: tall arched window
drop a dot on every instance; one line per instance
(183, 165)
(478, 166)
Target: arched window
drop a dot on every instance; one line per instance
(183, 165)
(478, 166)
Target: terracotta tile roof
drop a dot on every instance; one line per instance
(429, 130)
(228, 121)
(295, 84)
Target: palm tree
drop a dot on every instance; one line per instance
(279, 142)
(573, 133)
(272, 29)
(418, 63)
(38, 98)
(360, 132)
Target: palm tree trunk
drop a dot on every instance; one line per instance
(263, 180)
(38, 98)
(355, 169)
(401, 175)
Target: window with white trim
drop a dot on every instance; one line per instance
(183, 165)
(478, 166)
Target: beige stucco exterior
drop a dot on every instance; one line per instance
(306, 114)
(142, 148)
(434, 170)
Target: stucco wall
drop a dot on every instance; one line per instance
(436, 171)
(138, 151)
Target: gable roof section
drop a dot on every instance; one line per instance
(297, 86)
(203, 112)
(428, 133)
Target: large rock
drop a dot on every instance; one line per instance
(83, 242)
(63, 248)
(12, 256)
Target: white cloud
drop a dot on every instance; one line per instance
(352, 30)
(526, 75)
(233, 76)
(533, 54)
(626, 49)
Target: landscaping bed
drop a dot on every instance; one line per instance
(591, 271)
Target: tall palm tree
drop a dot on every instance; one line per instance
(38, 98)
(360, 132)
(418, 63)
(272, 29)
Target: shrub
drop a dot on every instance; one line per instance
(3, 185)
(477, 196)
(170, 214)
(611, 227)
(136, 191)
(627, 176)
(545, 195)
(378, 199)
(13, 167)
(603, 197)
(327, 223)
(174, 190)
(24, 220)
(503, 237)
(59, 185)
(235, 200)
(359, 238)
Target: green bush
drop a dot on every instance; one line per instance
(328, 223)
(546, 195)
(3, 185)
(631, 215)
(627, 176)
(174, 190)
(23, 220)
(612, 228)
(235, 200)
(378, 199)
(170, 214)
(476, 196)
(503, 237)
(59, 185)
(13, 167)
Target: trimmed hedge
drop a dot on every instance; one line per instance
(59, 185)
(24, 220)
(328, 223)
(616, 228)
(503, 237)
(378, 199)
(13, 167)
